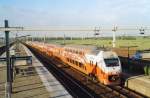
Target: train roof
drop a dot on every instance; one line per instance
(88, 48)
(110, 54)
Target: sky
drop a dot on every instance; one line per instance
(75, 12)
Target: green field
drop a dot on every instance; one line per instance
(141, 43)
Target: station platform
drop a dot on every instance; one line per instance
(32, 81)
(140, 84)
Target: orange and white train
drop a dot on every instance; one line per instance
(103, 65)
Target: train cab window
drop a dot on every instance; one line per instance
(110, 62)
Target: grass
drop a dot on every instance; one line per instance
(141, 43)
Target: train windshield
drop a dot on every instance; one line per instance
(110, 62)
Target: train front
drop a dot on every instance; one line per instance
(112, 68)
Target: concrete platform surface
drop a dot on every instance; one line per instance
(32, 81)
(52, 85)
(140, 84)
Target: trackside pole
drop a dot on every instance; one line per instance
(8, 83)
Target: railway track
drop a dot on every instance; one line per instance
(75, 89)
(121, 91)
(81, 86)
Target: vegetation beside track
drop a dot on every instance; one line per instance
(141, 42)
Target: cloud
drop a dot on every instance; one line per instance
(98, 12)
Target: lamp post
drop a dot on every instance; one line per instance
(114, 37)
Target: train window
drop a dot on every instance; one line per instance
(73, 62)
(80, 64)
(111, 62)
(76, 63)
(85, 68)
(70, 60)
